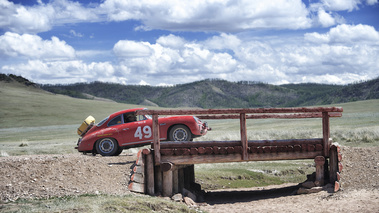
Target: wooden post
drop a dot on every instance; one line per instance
(187, 177)
(181, 179)
(191, 170)
(335, 158)
(158, 179)
(175, 181)
(320, 161)
(244, 137)
(156, 140)
(326, 133)
(150, 174)
(167, 184)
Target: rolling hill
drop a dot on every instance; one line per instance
(216, 93)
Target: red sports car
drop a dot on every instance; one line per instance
(124, 129)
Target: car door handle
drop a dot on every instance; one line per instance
(125, 129)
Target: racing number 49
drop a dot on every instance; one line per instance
(143, 132)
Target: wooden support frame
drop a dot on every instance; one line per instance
(257, 113)
(320, 172)
(170, 165)
(245, 154)
(156, 140)
(326, 133)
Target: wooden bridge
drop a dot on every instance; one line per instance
(168, 167)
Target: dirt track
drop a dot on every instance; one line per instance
(59, 175)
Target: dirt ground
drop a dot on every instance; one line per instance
(59, 175)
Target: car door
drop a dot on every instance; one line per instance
(135, 130)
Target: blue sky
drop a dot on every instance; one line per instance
(174, 42)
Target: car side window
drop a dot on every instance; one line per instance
(115, 121)
(141, 118)
(129, 117)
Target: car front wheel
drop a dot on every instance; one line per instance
(180, 133)
(107, 147)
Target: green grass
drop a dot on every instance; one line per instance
(36, 122)
(252, 174)
(95, 203)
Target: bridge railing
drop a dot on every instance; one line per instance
(243, 114)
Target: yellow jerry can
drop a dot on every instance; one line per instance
(86, 125)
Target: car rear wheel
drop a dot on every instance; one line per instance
(107, 147)
(180, 133)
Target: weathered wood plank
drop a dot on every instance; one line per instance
(138, 178)
(156, 140)
(167, 151)
(150, 184)
(189, 144)
(238, 111)
(333, 164)
(193, 151)
(138, 169)
(320, 172)
(158, 179)
(208, 150)
(199, 159)
(167, 184)
(337, 186)
(137, 187)
(326, 133)
(175, 181)
(270, 116)
(244, 143)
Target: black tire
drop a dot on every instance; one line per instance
(180, 133)
(118, 151)
(107, 147)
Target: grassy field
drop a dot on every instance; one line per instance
(36, 122)
(96, 203)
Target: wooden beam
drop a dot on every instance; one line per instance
(158, 179)
(221, 158)
(243, 136)
(326, 133)
(175, 181)
(150, 185)
(156, 140)
(167, 183)
(167, 166)
(238, 111)
(181, 179)
(268, 116)
(196, 144)
(320, 162)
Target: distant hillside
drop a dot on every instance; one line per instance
(16, 79)
(24, 104)
(216, 93)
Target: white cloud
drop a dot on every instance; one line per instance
(125, 48)
(338, 5)
(76, 34)
(185, 15)
(346, 34)
(223, 41)
(171, 41)
(32, 46)
(42, 17)
(61, 72)
(209, 15)
(325, 19)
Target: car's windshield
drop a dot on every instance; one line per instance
(103, 121)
